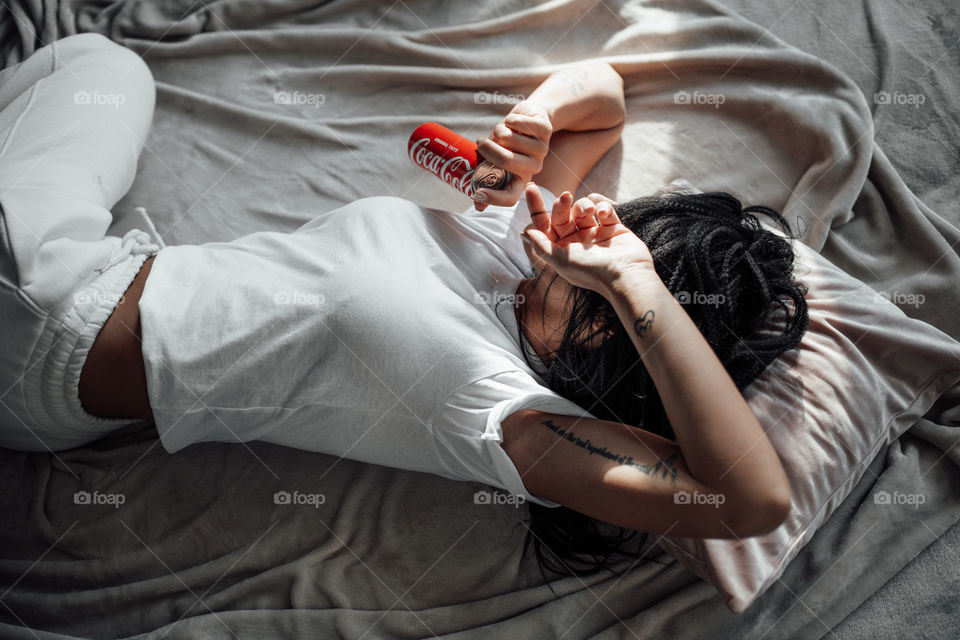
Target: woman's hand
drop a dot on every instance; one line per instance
(518, 144)
(597, 198)
(587, 251)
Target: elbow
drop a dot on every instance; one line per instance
(612, 97)
(620, 99)
(766, 515)
(618, 103)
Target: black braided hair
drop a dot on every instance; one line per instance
(735, 279)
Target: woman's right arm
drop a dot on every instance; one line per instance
(720, 479)
(724, 447)
(624, 475)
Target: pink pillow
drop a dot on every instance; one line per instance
(863, 374)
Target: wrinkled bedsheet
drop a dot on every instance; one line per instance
(270, 112)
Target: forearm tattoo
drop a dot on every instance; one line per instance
(643, 323)
(574, 78)
(666, 468)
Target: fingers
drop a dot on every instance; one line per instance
(518, 145)
(501, 197)
(609, 221)
(606, 214)
(519, 142)
(598, 198)
(583, 211)
(540, 242)
(539, 217)
(562, 218)
(536, 126)
(514, 162)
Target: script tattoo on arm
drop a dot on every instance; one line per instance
(666, 468)
(643, 323)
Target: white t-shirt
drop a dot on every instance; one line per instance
(380, 331)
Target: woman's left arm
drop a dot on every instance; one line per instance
(583, 97)
(557, 134)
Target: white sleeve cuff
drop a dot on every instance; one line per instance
(493, 436)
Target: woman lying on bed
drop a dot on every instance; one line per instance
(393, 334)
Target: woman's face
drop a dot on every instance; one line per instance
(546, 314)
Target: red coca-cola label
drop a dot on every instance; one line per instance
(445, 154)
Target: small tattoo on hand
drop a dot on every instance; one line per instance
(643, 323)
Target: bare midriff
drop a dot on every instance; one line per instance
(113, 381)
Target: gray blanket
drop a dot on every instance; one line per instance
(199, 548)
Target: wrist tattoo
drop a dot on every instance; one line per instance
(664, 468)
(643, 323)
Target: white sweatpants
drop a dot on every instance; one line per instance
(73, 120)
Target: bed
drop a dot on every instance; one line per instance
(201, 547)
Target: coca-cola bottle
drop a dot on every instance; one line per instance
(454, 159)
